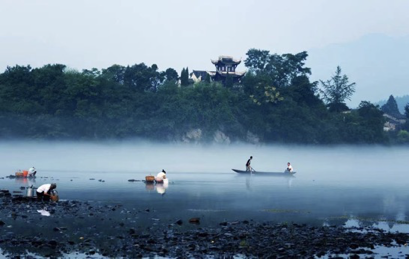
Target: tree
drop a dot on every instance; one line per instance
(403, 137)
(171, 74)
(207, 78)
(228, 82)
(184, 77)
(142, 78)
(406, 124)
(336, 90)
(371, 123)
(115, 73)
(282, 69)
(391, 108)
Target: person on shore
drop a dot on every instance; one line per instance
(289, 168)
(248, 166)
(32, 171)
(160, 176)
(44, 191)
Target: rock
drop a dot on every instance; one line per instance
(220, 138)
(194, 220)
(252, 138)
(194, 135)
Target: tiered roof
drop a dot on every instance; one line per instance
(226, 60)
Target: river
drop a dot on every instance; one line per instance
(341, 185)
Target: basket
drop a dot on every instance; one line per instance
(150, 178)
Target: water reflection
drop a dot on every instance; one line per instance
(27, 181)
(386, 225)
(251, 178)
(159, 187)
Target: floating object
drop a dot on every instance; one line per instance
(150, 178)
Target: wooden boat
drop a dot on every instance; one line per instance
(285, 173)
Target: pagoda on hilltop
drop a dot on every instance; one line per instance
(225, 67)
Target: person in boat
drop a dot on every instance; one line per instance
(44, 191)
(289, 168)
(160, 176)
(32, 171)
(248, 166)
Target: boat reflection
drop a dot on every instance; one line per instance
(159, 187)
(250, 178)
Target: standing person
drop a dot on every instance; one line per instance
(43, 192)
(161, 176)
(248, 166)
(289, 168)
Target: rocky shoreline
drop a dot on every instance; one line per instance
(112, 230)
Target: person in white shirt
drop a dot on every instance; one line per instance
(289, 167)
(32, 171)
(43, 192)
(161, 176)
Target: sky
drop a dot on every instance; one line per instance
(181, 33)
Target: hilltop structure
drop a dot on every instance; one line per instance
(225, 68)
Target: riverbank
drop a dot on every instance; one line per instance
(113, 230)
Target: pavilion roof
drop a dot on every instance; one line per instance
(226, 60)
(234, 74)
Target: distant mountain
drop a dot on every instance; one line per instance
(401, 101)
(377, 63)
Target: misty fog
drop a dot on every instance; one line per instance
(148, 157)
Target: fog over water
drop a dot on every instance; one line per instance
(139, 156)
(341, 184)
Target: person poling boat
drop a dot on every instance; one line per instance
(248, 165)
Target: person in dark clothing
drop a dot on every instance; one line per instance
(248, 166)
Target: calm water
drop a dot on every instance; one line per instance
(340, 185)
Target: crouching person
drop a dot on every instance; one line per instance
(45, 192)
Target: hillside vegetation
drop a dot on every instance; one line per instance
(274, 103)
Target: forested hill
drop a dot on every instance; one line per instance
(274, 103)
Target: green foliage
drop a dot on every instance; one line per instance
(281, 69)
(391, 108)
(336, 90)
(171, 75)
(403, 137)
(228, 82)
(275, 101)
(184, 77)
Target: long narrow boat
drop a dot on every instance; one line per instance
(286, 173)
